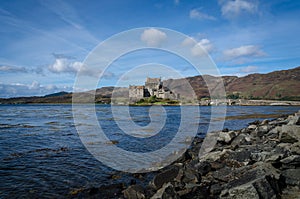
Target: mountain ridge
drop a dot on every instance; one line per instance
(276, 85)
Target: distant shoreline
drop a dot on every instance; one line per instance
(201, 103)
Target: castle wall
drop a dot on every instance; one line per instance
(153, 86)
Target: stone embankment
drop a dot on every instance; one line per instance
(261, 161)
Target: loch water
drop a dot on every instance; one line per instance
(42, 155)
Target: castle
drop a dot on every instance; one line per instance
(152, 87)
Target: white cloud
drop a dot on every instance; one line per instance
(176, 2)
(201, 48)
(33, 89)
(197, 14)
(153, 37)
(243, 51)
(232, 9)
(249, 69)
(63, 64)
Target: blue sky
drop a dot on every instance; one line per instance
(44, 43)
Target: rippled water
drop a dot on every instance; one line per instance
(42, 155)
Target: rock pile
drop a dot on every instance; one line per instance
(260, 161)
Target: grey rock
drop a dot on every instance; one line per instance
(259, 171)
(264, 189)
(134, 192)
(246, 191)
(165, 176)
(241, 155)
(259, 156)
(290, 134)
(262, 130)
(212, 156)
(215, 189)
(295, 148)
(190, 175)
(292, 176)
(224, 174)
(203, 167)
(294, 120)
(293, 160)
(226, 136)
(275, 130)
(274, 158)
(165, 192)
(264, 122)
(241, 139)
(252, 127)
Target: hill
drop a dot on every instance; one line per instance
(277, 85)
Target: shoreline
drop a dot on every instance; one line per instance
(259, 161)
(227, 102)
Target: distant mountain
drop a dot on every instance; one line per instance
(283, 85)
(278, 85)
(57, 94)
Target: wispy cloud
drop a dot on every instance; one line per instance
(153, 37)
(12, 69)
(232, 9)
(243, 52)
(64, 11)
(197, 14)
(24, 26)
(20, 69)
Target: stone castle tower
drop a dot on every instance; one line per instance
(153, 86)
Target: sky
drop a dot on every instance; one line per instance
(45, 43)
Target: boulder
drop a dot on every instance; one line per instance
(190, 175)
(294, 120)
(203, 168)
(226, 136)
(252, 127)
(293, 160)
(241, 139)
(292, 176)
(215, 189)
(134, 192)
(165, 176)
(246, 191)
(295, 148)
(290, 134)
(262, 130)
(166, 191)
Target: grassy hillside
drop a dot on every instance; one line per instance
(278, 85)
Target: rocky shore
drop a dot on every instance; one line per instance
(261, 161)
